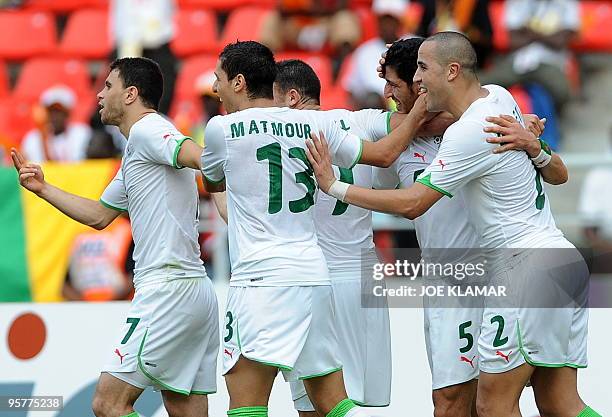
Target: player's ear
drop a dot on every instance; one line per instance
(131, 95)
(239, 83)
(294, 97)
(453, 70)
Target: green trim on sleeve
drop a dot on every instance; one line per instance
(356, 161)
(541, 364)
(545, 146)
(213, 181)
(329, 371)
(179, 145)
(426, 180)
(110, 206)
(389, 113)
(151, 377)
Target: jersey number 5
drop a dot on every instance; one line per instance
(272, 153)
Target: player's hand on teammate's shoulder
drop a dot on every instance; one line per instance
(31, 176)
(511, 135)
(318, 155)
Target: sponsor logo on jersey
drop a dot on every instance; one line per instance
(442, 164)
(421, 156)
(228, 352)
(506, 357)
(120, 356)
(465, 359)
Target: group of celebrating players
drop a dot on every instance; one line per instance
(297, 255)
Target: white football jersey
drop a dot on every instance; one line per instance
(345, 231)
(503, 193)
(162, 201)
(261, 155)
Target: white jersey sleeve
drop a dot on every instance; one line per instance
(459, 160)
(344, 147)
(375, 124)
(159, 143)
(215, 151)
(115, 196)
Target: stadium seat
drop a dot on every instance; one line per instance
(225, 5)
(26, 34)
(369, 24)
(64, 6)
(335, 98)
(196, 33)
(40, 73)
(186, 99)
(501, 38)
(86, 35)
(522, 98)
(244, 23)
(596, 27)
(321, 65)
(4, 83)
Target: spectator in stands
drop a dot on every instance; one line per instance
(311, 24)
(470, 17)
(364, 84)
(56, 138)
(540, 32)
(101, 266)
(145, 28)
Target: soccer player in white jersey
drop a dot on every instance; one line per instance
(450, 333)
(508, 209)
(279, 310)
(170, 338)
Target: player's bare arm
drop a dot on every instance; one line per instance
(384, 152)
(407, 202)
(189, 155)
(220, 200)
(512, 136)
(88, 212)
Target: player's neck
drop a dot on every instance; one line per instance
(131, 118)
(459, 103)
(256, 102)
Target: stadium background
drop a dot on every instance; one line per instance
(50, 42)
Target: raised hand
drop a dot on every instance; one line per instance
(31, 176)
(512, 136)
(318, 155)
(534, 124)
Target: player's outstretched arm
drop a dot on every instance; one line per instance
(83, 210)
(409, 202)
(385, 151)
(190, 155)
(513, 136)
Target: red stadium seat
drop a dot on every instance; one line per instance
(196, 33)
(4, 83)
(522, 99)
(225, 4)
(501, 37)
(596, 27)
(86, 35)
(186, 100)
(369, 23)
(26, 34)
(40, 73)
(63, 6)
(335, 98)
(321, 65)
(244, 23)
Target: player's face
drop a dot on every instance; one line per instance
(223, 88)
(429, 78)
(110, 99)
(403, 94)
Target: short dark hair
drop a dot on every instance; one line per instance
(145, 75)
(402, 57)
(455, 47)
(255, 62)
(296, 74)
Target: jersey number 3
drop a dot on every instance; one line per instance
(272, 153)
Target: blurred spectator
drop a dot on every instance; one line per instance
(101, 266)
(364, 84)
(101, 146)
(540, 32)
(10, 3)
(470, 17)
(56, 138)
(311, 24)
(145, 28)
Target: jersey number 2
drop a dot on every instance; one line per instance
(272, 153)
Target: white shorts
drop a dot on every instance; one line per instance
(289, 328)
(521, 333)
(170, 340)
(364, 341)
(451, 340)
